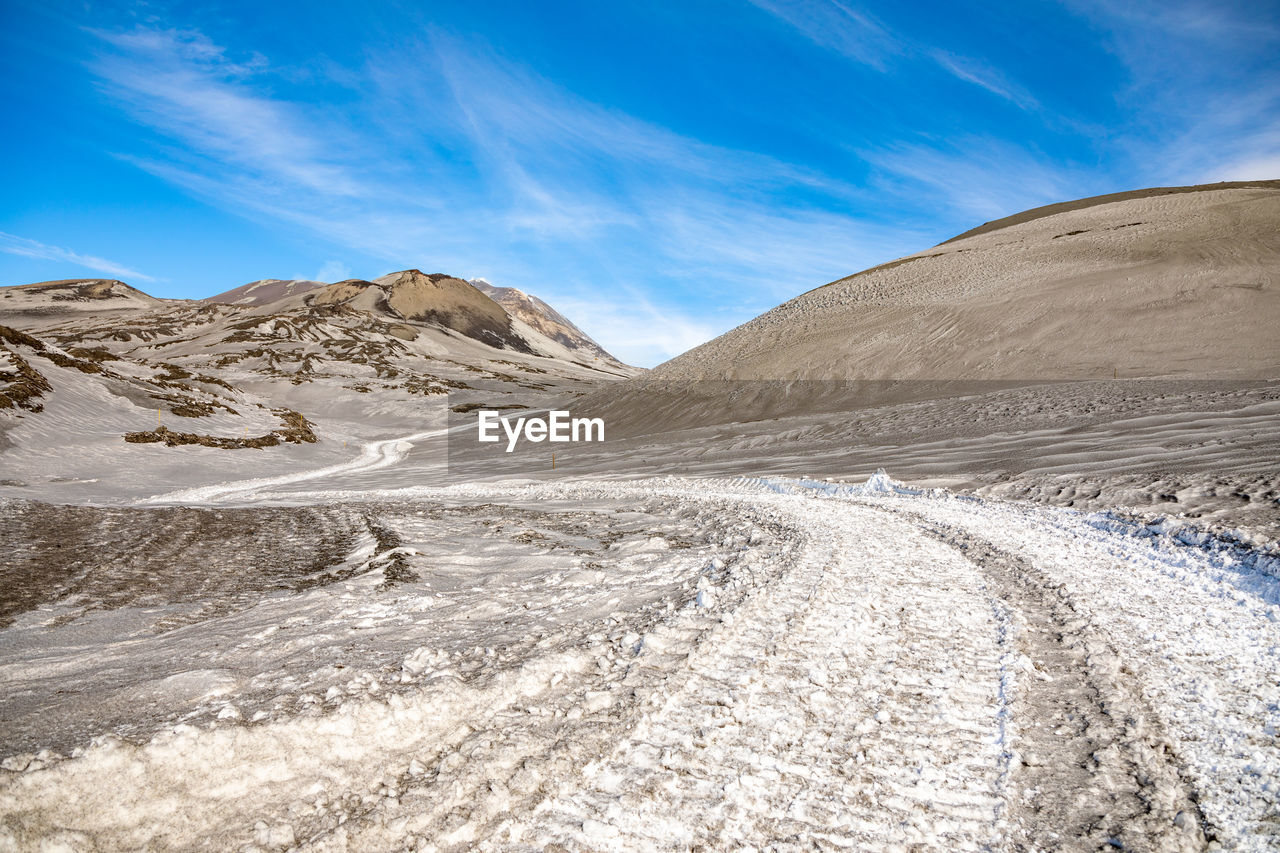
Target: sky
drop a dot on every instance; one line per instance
(660, 172)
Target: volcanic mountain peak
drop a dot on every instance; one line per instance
(265, 291)
(542, 317)
(436, 299)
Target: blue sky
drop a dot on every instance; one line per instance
(659, 171)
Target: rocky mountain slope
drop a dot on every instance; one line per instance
(1178, 283)
(540, 316)
(303, 330)
(87, 392)
(518, 305)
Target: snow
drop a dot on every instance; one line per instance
(373, 456)
(676, 663)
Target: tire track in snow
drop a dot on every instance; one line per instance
(868, 695)
(1092, 764)
(373, 456)
(854, 703)
(1195, 640)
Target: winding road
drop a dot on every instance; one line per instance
(867, 667)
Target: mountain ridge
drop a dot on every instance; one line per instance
(408, 295)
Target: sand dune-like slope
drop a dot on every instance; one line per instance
(1181, 283)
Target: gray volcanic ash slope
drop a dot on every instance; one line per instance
(50, 302)
(1155, 283)
(1120, 350)
(264, 291)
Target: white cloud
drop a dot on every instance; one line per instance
(331, 271)
(1203, 91)
(28, 248)
(979, 178)
(637, 331)
(856, 35)
(1264, 168)
(183, 85)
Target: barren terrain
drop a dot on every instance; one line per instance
(262, 589)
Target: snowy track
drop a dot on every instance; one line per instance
(374, 455)
(843, 705)
(863, 669)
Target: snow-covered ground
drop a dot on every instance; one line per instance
(661, 664)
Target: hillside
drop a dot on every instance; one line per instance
(1181, 283)
(541, 316)
(49, 302)
(1112, 351)
(163, 389)
(263, 291)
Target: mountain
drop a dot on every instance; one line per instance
(517, 304)
(264, 291)
(98, 379)
(438, 299)
(47, 302)
(1179, 282)
(542, 317)
(398, 300)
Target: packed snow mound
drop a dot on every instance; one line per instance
(1171, 283)
(880, 483)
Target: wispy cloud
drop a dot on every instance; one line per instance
(855, 34)
(984, 76)
(28, 248)
(183, 85)
(978, 178)
(639, 331)
(331, 271)
(1204, 85)
(455, 159)
(839, 26)
(1265, 168)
